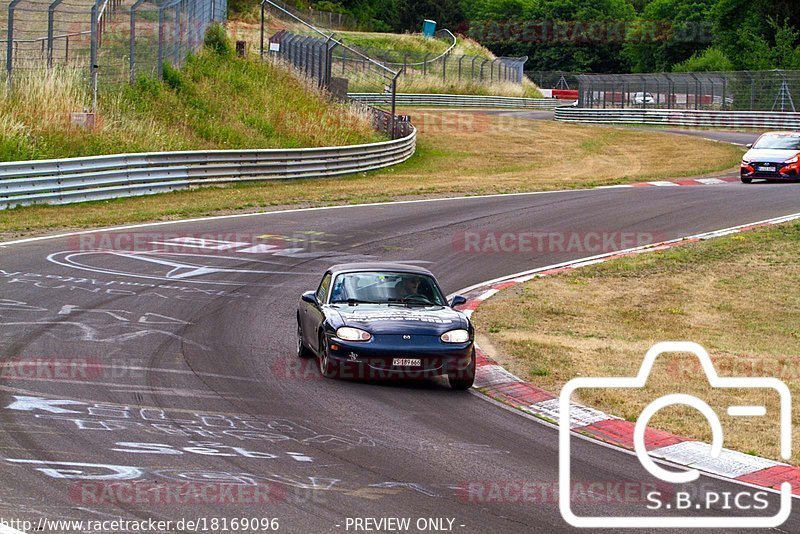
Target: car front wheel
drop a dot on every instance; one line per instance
(326, 364)
(464, 379)
(746, 180)
(302, 350)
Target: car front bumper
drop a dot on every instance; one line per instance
(375, 359)
(783, 171)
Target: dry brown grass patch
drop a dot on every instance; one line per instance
(737, 296)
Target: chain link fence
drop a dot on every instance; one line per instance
(112, 41)
(332, 62)
(450, 67)
(774, 90)
(553, 79)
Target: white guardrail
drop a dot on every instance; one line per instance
(478, 101)
(681, 117)
(63, 181)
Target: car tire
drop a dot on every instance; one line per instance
(747, 180)
(302, 350)
(463, 380)
(327, 367)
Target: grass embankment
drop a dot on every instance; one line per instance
(215, 102)
(392, 47)
(459, 153)
(737, 296)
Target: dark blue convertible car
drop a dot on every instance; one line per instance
(385, 320)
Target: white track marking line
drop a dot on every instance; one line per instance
(524, 276)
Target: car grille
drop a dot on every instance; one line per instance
(776, 166)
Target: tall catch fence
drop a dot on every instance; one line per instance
(332, 62)
(110, 40)
(773, 90)
(359, 63)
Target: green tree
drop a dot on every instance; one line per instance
(669, 32)
(710, 59)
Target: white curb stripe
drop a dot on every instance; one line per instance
(697, 455)
(664, 184)
(491, 375)
(485, 295)
(579, 416)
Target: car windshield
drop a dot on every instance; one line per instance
(779, 142)
(387, 288)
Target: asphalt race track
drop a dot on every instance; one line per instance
(128, 370)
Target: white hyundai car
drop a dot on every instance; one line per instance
(774, 156)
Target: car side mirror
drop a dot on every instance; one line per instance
(310, 297)
(458, 300)
(749, 145)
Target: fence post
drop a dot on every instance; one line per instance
(261, 49)
(10, 41)
(394, 106)
(328, 65)
(444, 68)
(481, 69)
(459, 67)
(425, 63)
(176, 35)
(132, 55)
(93, 54)
(50, 23)
(160, 55)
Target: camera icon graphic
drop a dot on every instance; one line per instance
(673, 476)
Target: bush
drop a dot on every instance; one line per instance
(173, 77)
(217, 40)
(710, 59)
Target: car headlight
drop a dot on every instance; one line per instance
(745, 161)
(455, 336)
(791, 160)
(353, 334)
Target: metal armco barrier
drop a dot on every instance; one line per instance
(410, 99)
(672, 117)
(64, 181)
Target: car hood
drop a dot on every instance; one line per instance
(769, 155)
(382, 319)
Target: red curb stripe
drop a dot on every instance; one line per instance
(688, 182)
(620, 432)
(470, 305)
(518, 394)
(772, 477)
(553, 271)
(730, 179)
(482, 359)
(504, 285)
(642, 184)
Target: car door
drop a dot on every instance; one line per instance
(315, 315)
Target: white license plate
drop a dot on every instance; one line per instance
(766, 169)
(406, 362)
